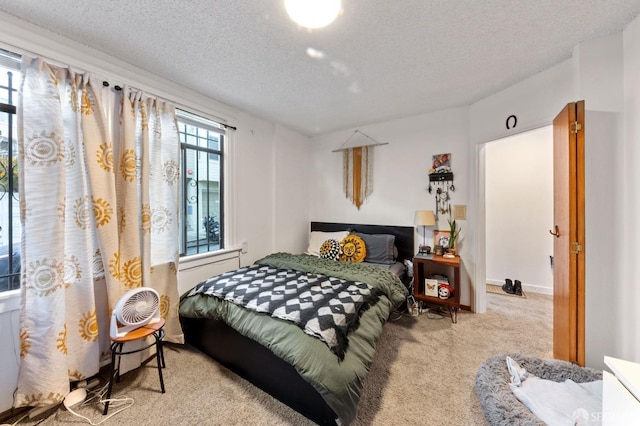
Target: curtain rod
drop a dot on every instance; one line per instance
(106, 84)
(73, 55)
(226, 126)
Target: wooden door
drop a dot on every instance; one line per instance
(568, 248)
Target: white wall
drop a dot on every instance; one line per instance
(600, 73)
(627, 212)
(291, 164)
(595, 72)
(603, 255)
(598, 70)
(271, 188)
(519, 209)
(267, 174)
(400, 174)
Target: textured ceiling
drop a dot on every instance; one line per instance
(382, 59)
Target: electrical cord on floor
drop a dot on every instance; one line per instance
(85, 395)
(396, 315)
(434, 314)
(95, 398)
(437, 314)
(417, 308)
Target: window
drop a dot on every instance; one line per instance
(201, 197)
(10, 230)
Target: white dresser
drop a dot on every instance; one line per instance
(621, 393)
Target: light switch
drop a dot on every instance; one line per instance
(460, 212)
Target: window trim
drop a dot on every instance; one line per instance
(10, 300)
(11, 61)
(186, 117)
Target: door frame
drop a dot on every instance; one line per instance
(480, 270)
(480, 278)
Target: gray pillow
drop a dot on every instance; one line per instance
(380, 247)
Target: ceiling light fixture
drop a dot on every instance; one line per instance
(313, 13)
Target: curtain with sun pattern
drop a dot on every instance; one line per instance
(99, 206)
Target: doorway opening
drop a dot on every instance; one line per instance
(519, 210)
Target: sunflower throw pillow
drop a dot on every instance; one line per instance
(330, 249)
(353, 249)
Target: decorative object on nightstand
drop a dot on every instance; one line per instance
(445, 291)
(441, 238)
(454, 232)
(424, 218)
(431, 287)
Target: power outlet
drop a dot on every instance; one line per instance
(244, 247)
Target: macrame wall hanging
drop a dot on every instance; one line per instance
(358, 166)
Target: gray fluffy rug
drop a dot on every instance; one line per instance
(500, 405)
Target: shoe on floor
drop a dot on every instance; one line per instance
(508, 286)
(517, 288)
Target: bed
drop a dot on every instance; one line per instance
(301, 370)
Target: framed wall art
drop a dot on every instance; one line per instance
(440, 163)
(441, 238)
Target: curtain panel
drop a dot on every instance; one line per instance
(99, 206)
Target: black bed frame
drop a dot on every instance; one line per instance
(259, 365)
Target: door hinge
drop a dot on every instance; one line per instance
(575, 127)
(575, 247)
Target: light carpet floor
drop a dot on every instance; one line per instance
(423, 373)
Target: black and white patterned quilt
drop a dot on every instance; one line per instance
(325, 307)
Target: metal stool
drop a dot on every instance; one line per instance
(156, 330)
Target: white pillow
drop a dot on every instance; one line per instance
(316, 238)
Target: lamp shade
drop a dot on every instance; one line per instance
(424, 218)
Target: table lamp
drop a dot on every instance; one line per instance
(424, 218)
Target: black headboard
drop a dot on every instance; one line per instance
(404, 234)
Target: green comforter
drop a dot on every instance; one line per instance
(339, 383)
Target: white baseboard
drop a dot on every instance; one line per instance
(529, 288)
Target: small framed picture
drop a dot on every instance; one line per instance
(441, 238)
(431, 287)
(441, 163)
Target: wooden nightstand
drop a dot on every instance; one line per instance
(424, 267)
